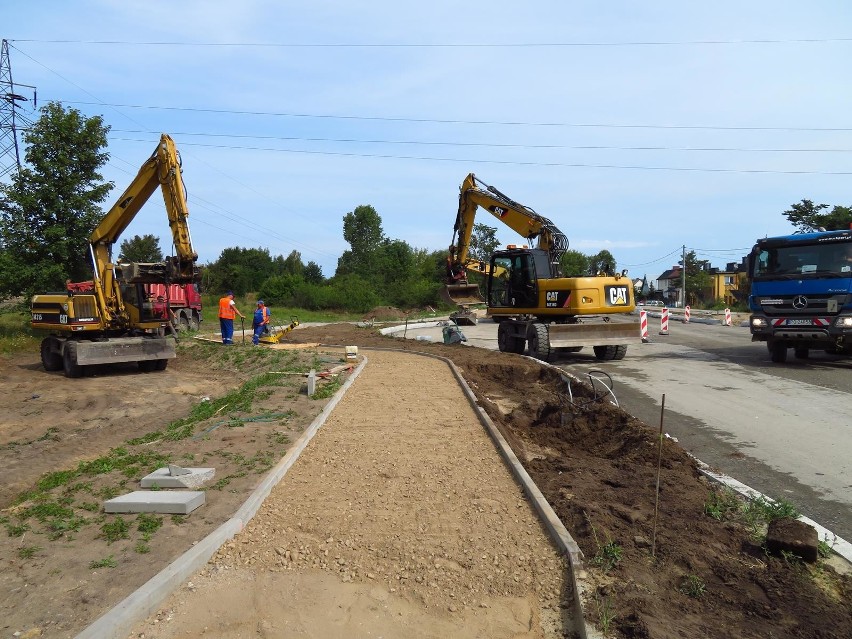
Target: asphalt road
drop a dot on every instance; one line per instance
(783, 429)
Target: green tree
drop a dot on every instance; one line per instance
(602, 262)
(293, 264)
(698, 280)
(362, 228)
(50, 208)
(240, 270)
(807, 216)
(313, 273)
(144, 248)
(483, 242)
(574, 264)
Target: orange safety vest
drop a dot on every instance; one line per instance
(265, 315)
(226, 308)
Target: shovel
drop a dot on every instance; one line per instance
(243, 329)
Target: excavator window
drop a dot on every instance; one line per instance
(513, 282)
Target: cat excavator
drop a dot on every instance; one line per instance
(116, 320)
(525, 293)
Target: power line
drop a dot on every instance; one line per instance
(512, 162)
(471, 122)
(438, 45)
(580, 147)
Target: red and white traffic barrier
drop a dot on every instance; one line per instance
(664, 321)
(643, 325)
(727, 317)
(686, 310)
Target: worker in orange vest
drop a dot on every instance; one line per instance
(227, 311)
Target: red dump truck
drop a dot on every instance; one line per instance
(183, 299)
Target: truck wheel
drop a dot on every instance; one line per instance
(69, 360)
(194, 322)
(160, 364)
(183, 323)
(801, 352)
(610, 352)
(778, 352)
(50, 358)
(146, 365)
(539, 341)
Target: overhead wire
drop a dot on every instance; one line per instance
(499, 44)
(603, 125)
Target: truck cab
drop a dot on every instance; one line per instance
(801, 293)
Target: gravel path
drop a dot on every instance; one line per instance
(399, 519)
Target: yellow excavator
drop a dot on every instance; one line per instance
(116, 321)
(536, 307)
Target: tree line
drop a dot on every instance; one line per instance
(50, 207)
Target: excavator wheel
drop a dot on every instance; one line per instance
(610, 352)
(69, 360)
(50, 358)
(507, 342)
(146, 365)
(539, 341)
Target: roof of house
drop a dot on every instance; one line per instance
(670, 274)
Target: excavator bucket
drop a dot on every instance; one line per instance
(460, 294)
(464, 316)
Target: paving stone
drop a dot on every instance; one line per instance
(165, 478)
(170, 502)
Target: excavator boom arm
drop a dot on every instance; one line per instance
(162, 169)
(521, 219)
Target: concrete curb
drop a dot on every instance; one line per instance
(118, 622)
(400, 328)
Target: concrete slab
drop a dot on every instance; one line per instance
(156, 501)
(165, 478)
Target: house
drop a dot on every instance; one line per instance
(669, 285)
(725, 283)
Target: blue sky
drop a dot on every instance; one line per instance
(634, 127)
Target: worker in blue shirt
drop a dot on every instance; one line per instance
(259, 322)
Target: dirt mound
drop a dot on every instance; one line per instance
(385, 314)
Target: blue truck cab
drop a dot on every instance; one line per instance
(801, 293)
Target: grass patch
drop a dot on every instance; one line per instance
(147, 523)
(608, 555)
(759, 512)
(240, 400)
(28, 552)
(115, 530)
(16, 335)
(17, 530)
(722, 504)
(693, 586)
(606, 615)
(142, 548)
(327, 389)
(106, 562)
